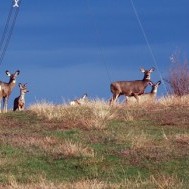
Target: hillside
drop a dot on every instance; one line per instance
(96, 146)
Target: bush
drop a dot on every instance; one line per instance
(178, 76)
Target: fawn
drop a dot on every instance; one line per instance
(19, 102)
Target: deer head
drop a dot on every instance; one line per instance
(147, 73)
(23, 88)
(12, 76)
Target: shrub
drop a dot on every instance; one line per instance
(178, 76)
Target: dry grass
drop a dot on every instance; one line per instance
(164, 101)
(101, 109)
(52, 146)
(96, 114)
(140, 140)
(145, 147)
(182, 138)
(174, 100)
(44, 184)
(160, 182)
(92, 115)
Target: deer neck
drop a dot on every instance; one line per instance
(146, 77)
(12, 83)
(154, 91)
(146, 82)
(22, 96)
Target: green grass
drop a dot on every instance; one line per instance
(149, 146)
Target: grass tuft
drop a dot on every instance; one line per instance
(93, 115)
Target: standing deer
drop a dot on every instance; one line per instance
(130, 88)
(19, 102)
(79, 101)
(147, 97)
(6, 89)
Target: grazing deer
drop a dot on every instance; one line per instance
(19, 102)
(147, 97)
(6, 89)
(130, 88)
(79, 101)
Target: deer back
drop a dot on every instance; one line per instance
(128, 88)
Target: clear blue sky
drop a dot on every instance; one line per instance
(65, 48)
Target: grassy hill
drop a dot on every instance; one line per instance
(96, 146)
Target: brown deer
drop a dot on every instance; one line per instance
(6, 89)
(79, 101)
(19, 102)
(130, 88)
(147, 97)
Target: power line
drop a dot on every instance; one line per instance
(8, 39)
(8, 30)
(148, 44)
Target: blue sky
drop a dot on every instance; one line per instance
(65, 48)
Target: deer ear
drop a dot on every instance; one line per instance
(8, 73)
(142, 70)
(159, 82)
(17, 72)
(152, 69)
(20, 85)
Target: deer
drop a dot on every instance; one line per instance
(6, 89)
(19, 102)
(130, 88)
(147, 97)
(79, 101)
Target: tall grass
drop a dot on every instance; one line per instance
(94, 114)
(172, 100)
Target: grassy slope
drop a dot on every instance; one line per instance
(130, 148)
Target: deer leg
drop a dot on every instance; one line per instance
(0, 106)
(117, 95)
(4, 103)
(19, 108)
(126, 99)
(114, 99)
(136, 96)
